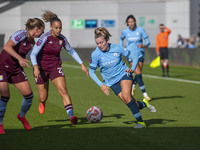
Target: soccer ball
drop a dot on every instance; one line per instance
(94, 114)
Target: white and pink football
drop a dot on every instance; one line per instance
(94, 114)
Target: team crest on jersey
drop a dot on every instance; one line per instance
(39, 42)
(60, 42)
(115, 54)
(1, 77)
(138, 33)
(90, 60)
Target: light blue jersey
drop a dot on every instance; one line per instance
(134, 38)
(110, 63)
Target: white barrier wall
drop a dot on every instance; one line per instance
(178, 19)
(174, 14)
(10, 22)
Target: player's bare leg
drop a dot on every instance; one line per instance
(60, 84)
(126, 86)
(25, 90)
(5, 94)
(139, 79)
(43, 95)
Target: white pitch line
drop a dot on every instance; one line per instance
(172, 79)
(145, 75)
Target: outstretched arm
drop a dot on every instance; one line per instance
(75, 55)
(104, 88)
(85, 69)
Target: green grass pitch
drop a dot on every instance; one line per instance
(175, 126)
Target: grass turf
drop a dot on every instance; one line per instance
(176, 125)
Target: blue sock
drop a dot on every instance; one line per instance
(141, 104)
(140, 82)
(26, 104)
(3, 104)
(69, 110)
(135, 80)
(135, 110)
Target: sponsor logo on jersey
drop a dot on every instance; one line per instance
(60, 42)
(39, 42)
(110, 62)
(133, 39)
(1, 77)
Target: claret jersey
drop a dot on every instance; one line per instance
(22, 47)
(47, 50)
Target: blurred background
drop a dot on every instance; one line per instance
(81, 17)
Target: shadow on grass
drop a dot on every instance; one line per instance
(101, 138)
(165, 97)
(152, 121)
(84, 120)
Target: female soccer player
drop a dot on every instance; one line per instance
(134, 42)
(47, 65)
(12, 61)
(115, 72)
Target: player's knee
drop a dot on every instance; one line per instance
(29, 96)
(63, 91)
(43, 96)
(126, 97)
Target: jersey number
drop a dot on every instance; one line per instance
(60, 71)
